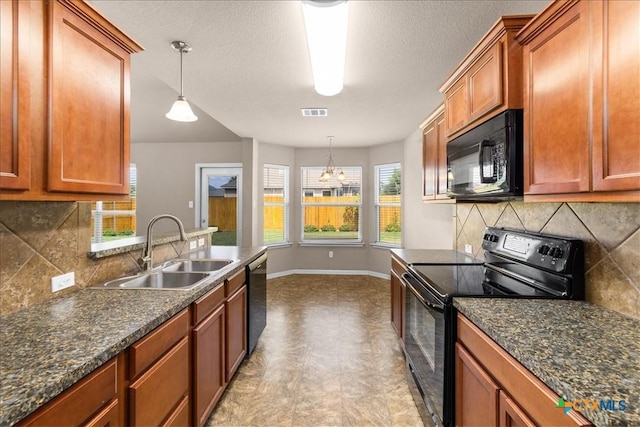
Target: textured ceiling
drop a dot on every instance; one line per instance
(249, 72)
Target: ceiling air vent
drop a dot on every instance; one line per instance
(314, 112)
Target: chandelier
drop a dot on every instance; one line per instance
(331, 169)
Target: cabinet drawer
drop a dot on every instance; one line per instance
(158, 391)
(207, 304)
(180, 416)
(148, 349)
(397, 267)
(234, 283)
(107, 417)
(76, 405)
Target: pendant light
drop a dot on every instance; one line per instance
(330, 170)
(181, 110)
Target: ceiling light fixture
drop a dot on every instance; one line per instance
(326, 24)
(330, 170)
(180, 110)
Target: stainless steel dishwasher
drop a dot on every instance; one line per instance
(257, 300)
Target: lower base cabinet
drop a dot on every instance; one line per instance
(494, 389)
(236, 331)
(94, 401)
(398, 295)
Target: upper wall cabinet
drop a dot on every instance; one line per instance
(71, 141)
(488, 80)
(434, 158)
(582, 102)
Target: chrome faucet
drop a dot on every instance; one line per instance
(146, 261)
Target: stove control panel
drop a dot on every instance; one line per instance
(550, 252)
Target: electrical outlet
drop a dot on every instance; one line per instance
(330, 254)
(201, 241)
(192, 244)
(468, 249)
(63, 281)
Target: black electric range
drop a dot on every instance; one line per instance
(515, 264)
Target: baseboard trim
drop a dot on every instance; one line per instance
(329, 272)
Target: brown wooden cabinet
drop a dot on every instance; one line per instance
(208, 354)
(15, 97)
(487, 81)
(398, 295)
(94, 400)
(582, 102)
(159, 374)
(493, 386)
(434, 158)
(65, 136)
(236, 330)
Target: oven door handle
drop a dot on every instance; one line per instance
(434, 305)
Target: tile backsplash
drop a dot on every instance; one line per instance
(611, 232)
(39, 240)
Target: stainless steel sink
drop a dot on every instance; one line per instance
(161, 280)
(205, 265)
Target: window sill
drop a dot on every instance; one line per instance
(333, 243)
(381, 245)
(278, 245)
(116, 247)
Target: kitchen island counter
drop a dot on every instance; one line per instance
(580, 350)
(48, 347)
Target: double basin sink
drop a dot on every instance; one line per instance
(177, 274)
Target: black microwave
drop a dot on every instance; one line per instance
(485, 163)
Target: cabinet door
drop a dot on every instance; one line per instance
(511, 415)
(429, 160)
(236, 331)
(455, 107)
(441, 162)
(396, 303)
(154, 396)
(557, 98)
(485, 83)
(209, 367)
(15, 154)
(476, 392)
(616, 100)
(88, 106)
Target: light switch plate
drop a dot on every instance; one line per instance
(63, 281)
(201, 241)
(192, 244)
(468, 249)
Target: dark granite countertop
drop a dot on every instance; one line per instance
(580, 350)
(434, 256)
(46, 348)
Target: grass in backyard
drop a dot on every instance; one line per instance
(223, 238)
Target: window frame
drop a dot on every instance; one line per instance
(285, 204)
(378, 204)
(359, 241)
(98, 214)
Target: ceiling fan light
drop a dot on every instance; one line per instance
(181, 111)
(326, 26)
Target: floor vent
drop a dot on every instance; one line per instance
(314, 112)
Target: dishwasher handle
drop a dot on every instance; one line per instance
(257, 263)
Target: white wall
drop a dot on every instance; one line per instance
(424, 225)
(166, 178)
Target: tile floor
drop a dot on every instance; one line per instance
(328, 357)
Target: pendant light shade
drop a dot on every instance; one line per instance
(331, 169)
(181, 110)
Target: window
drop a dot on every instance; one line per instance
(276, 204)
(332, 212)
(388, 203)
(115, 220)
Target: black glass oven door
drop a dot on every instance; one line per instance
(425, 343)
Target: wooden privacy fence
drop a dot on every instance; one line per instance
(323, 215)
(222, 213)
(117, 222)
